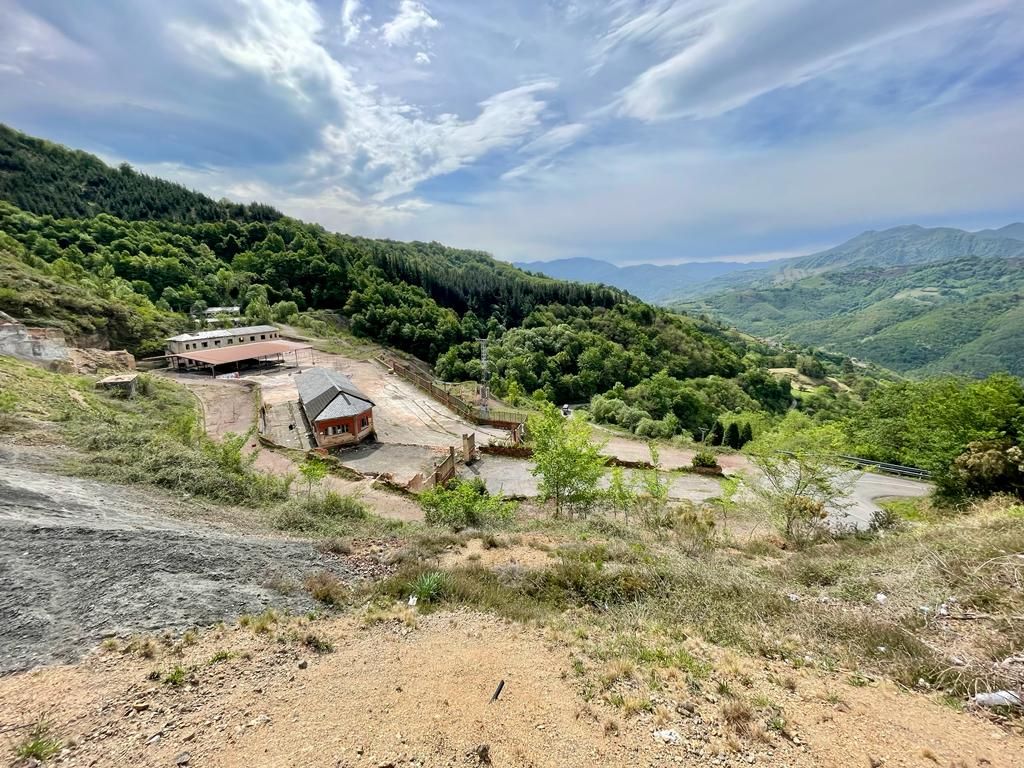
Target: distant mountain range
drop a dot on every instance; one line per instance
(650, 282)
(914, 299)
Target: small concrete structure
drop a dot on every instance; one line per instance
(200, 340)
(338, 413)
(122, 384)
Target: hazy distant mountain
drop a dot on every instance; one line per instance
(650, 282)
(916, 300)
(1013, 231)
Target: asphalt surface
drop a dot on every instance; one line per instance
(867, 487)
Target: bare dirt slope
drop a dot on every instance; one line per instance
(80, 560)
(392, 694)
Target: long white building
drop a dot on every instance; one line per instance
(190, 342)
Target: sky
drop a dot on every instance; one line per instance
(622, 130)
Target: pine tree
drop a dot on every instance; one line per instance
(717, 433)
(746, 434)
(732, 436)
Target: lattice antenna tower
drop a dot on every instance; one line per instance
(485, 394)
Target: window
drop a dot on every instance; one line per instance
(216, 343)
(252, 338)
(263, 336)
(231, 341)
(364, 422)
(188, 346)
(339, 430)
(205, 345)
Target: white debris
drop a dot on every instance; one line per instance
(881, 598)
(793, 597)
(668, 736)
(998, 699)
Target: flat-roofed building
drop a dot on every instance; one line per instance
(337, 411)
(223, 337)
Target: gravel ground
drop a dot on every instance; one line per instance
(81, 560)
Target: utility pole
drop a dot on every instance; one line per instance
(485, 395)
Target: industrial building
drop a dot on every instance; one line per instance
(223, 337)
(337, 411)
(231, 350)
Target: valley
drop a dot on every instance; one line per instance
(665, 540)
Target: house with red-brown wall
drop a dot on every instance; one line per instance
(337, 411)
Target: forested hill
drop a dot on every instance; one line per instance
(134, 281)
(960, 315)
(46, 178)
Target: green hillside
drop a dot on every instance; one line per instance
(77, 262)
(957, 316)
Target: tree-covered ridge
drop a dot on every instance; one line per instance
(176, 265)
(959, 316)
(46, 178)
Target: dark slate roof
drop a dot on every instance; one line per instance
(327, 394)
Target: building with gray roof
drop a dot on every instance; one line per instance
(337, 411)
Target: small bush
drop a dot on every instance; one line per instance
(326, 588)
(261, 623)
(40, 743)
(704, 459)
(335, 546)
(430, 587)
(320, 513)
(463, 504)
(175, 677)
(317, 644)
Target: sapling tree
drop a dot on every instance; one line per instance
(567, 461)
(801, 481)
(313, 470)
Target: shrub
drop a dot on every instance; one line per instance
(317, 644)
(39, 744)
(463, 504)
(430, 587)
(327, 588)
(320, 513)
(705, 458)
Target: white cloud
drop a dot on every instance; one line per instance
(370, 142)
(422, 57)
(641, 203)
(542, 149)
(731, 51)
(412, 16)
(352, 20)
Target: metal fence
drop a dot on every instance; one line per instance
(506, 418)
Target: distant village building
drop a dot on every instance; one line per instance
(190, 342)
(337, 411)
(223, 316)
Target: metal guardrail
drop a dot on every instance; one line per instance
(884, 466)
(892, 469)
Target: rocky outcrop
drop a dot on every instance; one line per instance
(49, 347)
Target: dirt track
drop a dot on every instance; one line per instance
(80, 560)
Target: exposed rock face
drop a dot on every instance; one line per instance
(39, 344)
(95, 360)
(48, 346)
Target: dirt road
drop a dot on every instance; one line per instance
(80, 560)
